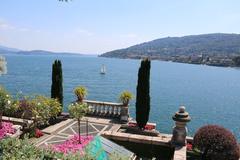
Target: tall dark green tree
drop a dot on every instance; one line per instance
(57, 80)
(143, 95)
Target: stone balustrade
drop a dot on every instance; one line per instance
(108, 109)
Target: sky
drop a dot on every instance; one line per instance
(98, 26)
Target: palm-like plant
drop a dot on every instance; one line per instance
(80, 92)
(125, 97)
(78, 110)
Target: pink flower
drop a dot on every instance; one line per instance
(6, 128)
(72, 145)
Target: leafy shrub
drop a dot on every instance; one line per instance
(43, 108)
(5, 101)
(216, 143)
(14, 148)
(38, 108)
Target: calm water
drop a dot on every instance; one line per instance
(210, 94)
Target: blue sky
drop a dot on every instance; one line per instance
(97, 26)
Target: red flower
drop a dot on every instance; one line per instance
(189, 146)
(147, 127)
(38, 133)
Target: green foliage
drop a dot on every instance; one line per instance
(43, 108)
(78, 110)
(16, 149)
(125, 97)
(57, 80)
(80, 92)
(12, 108)
(5, 102)
(115, 156)
(5, 99)
(143, 96)
(39, 108)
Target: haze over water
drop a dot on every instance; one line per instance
(211, 94)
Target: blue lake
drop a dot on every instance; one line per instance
(211, 94)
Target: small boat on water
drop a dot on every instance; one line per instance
(103, 69)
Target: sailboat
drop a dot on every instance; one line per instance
(103, 69)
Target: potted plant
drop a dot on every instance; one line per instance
(81, 93)
(125, 97)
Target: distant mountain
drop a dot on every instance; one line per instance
(42, 52)
(6, 50)
(211, 49)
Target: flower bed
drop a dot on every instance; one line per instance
(147, 127)
(7, 129)
(72, 145)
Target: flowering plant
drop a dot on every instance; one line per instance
(38, 133)
(6, 129)
(147, 127)
(5, 101)
(189, 147)
(72, 145)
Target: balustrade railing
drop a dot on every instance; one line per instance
(108, 109)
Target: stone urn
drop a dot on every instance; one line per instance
(179, 134)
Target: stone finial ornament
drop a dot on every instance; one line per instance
(181, 119)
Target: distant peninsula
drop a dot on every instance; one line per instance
(11, 51)
(216, 49)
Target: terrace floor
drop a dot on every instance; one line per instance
(64, 130)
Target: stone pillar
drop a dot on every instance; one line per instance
(124, 113)
(181, 119)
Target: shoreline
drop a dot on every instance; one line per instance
(163, 60)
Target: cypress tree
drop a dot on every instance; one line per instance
(57, 87)
(143, 96)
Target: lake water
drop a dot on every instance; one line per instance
(211, 94)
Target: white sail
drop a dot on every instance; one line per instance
(103, 69)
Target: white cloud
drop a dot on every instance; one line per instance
(5, 26)
(84, 32)
(129, 35)
(23, 29)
